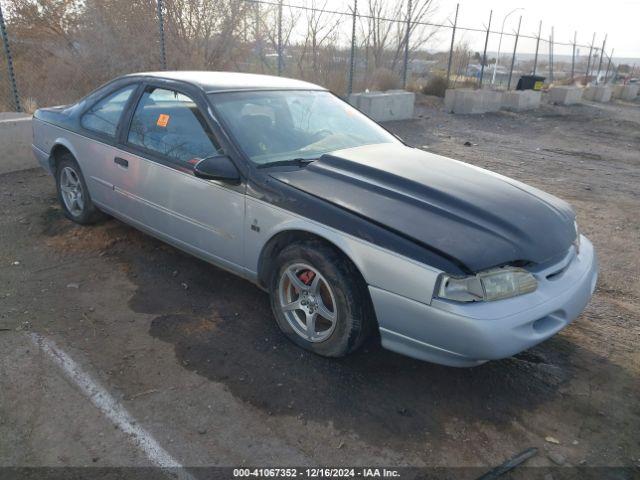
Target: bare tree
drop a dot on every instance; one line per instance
(115, 37)
(385, 26)
(204, 33)
(268, 26)
(48, 21)
(321, 33)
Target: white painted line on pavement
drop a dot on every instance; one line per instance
(110, 407)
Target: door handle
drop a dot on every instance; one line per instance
(122, 162)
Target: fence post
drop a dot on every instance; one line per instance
(513, 58)
(406, 46)
(535, 58)
(606, 75)
(352, 58)
(573, 55)
(586, 75)
(453, 37)
(11, 72)
(280, 60)
(163, 52)
(484, 54)
(602, 52)
(551, 56)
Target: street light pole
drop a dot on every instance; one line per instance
(495, 65)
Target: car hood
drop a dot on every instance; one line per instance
(476, 217)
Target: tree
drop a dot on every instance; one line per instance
(322, 29)
(204, 33)
(385, 39)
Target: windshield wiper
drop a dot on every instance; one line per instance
(301, 162)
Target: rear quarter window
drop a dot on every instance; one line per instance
(105, 115)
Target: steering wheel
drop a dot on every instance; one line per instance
(321, 134)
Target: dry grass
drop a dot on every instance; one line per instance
(384, 79)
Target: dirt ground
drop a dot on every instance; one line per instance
(194, 355)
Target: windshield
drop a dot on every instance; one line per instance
(274, 126)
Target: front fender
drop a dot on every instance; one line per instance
(379, 267)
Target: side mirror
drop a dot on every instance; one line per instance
(219, 167)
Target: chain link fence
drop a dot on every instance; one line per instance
(55, 51)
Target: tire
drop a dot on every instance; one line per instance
(70, 185)
(337, 282)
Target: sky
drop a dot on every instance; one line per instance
(620, 19)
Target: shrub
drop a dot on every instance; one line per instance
(435, 86)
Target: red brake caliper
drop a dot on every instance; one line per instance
(306, 277)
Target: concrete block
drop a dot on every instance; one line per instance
(469, 101)
(461, 101)
(626, 92)
(563, 95)
(597, 93)
(520, 100)
(630, 92)
(15, 143)
(385, 106)
(492, 100)
(449, 99)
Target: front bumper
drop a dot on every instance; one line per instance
(468, 334)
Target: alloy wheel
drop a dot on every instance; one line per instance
(307, 302)
(71, 189)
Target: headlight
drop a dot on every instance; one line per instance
(491, 285)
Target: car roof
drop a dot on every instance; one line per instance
(232, 81)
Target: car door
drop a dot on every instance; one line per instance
(94, 149)
(166, 135)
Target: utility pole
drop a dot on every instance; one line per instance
(495, 65)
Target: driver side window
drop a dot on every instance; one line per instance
(170, 123)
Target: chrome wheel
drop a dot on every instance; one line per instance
(307, 302)
(71, 189)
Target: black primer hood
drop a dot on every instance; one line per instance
(477, 217)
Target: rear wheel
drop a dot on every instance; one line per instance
(320, 300)
(73, 193)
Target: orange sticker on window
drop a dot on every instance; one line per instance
(163, 120)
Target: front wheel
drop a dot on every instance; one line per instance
(319, 299)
